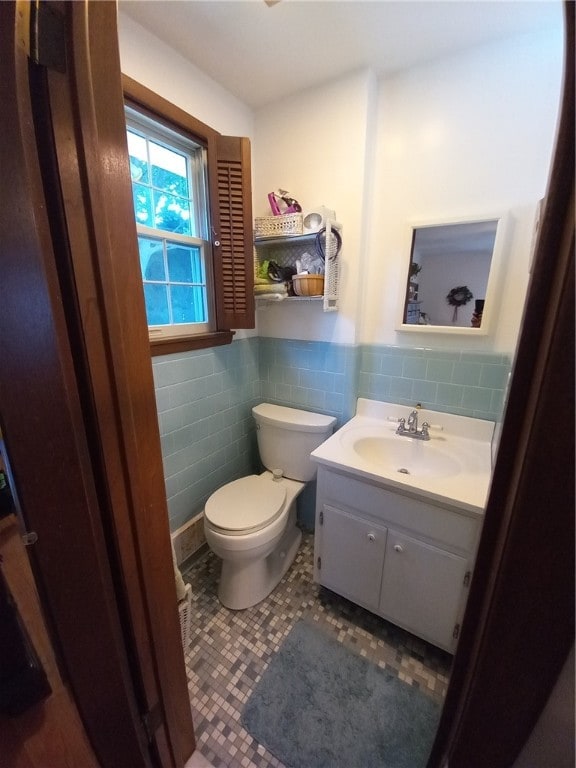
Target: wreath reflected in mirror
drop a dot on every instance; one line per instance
(457, 298)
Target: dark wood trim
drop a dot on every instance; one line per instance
(112, 323)
(163, 110)
(81, 292)
(519, 622)
(190, 343)
(45, 432)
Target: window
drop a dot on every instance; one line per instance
(168, 173)
(192, 206)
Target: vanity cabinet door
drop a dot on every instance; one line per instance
(352, 556)
(422, 589)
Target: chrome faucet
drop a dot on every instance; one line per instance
(409, 427)
(412, 422)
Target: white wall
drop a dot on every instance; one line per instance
(317, 145)
(152, 63)
(471, 134)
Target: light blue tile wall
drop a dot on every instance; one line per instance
(312, 375)
(205, 399)
(204, 402)
(465, 383)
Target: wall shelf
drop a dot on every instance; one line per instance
(285, 250)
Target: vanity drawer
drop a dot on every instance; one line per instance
(436, 523)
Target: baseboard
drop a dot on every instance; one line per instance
(188, 539)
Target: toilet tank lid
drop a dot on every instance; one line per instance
(292, 418)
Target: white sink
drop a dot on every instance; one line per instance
(406, 455)
(453, 467)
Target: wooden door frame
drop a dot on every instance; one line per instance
(45, 436)
(106, 269)
(519, 624)
(73, 323)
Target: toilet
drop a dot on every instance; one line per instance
(250, 523)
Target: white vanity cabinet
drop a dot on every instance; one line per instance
(407, 560)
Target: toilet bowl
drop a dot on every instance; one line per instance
(253, 559)
(251, 523)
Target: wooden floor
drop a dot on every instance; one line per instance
(50, 733)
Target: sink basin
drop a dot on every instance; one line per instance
(406, 456)
(453, 467)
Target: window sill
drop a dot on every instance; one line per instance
(189, 343)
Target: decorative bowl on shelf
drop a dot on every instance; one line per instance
(308, 285)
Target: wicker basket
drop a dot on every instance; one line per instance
(278, 226)
(308, 285)
(185, 612)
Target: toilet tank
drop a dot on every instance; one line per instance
(287, 436)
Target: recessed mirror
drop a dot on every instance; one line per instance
(451, 275)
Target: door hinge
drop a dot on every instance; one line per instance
(319, 563)
(467, 576)
(456, 632)
(48, 37)
(152, 720)
(322, 517)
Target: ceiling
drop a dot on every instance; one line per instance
(262, 53)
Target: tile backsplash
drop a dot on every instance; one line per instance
(465, 383)
(312, 375)
(205, 399)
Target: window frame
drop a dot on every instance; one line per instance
(150, 104)
(149, 129)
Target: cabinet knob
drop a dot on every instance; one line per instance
(398, 548)
(371, 537)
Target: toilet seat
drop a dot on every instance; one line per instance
(246, 505)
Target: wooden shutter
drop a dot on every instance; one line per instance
(232, 235)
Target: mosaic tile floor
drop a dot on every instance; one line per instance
(229, 651)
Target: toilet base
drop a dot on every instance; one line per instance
(245, 584)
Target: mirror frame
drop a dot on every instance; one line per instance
(490, 308)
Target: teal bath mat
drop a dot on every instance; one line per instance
(318, 705)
